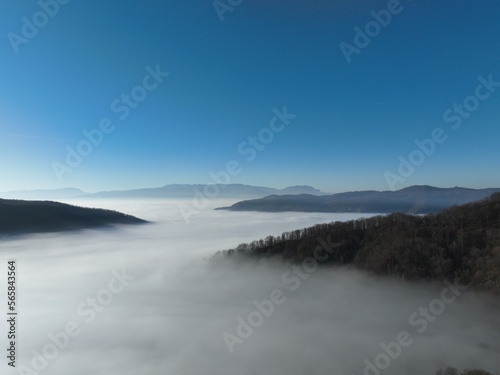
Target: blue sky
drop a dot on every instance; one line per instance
(354, 120)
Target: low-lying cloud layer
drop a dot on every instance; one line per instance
(147, 300)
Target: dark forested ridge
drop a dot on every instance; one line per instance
(454, 371)
(18, 217)
(412, 200)
(461, 243)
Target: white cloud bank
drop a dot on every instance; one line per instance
(145, 300)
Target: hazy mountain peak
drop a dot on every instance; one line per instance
(191, 190)
(62, 193)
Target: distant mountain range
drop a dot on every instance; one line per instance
(190, 191)
(43, 194)
(414, 200)
(20, 217)
(167, 191)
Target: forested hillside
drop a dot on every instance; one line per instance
(17, 216)
(461, 243)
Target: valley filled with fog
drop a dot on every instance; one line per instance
(149, 300)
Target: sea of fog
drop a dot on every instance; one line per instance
(148, 300)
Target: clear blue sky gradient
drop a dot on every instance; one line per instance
(353, 120)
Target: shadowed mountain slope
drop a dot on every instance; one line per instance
(413, 200)
(17, 217)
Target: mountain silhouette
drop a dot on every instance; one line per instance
(413, 200)
(18, 217)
